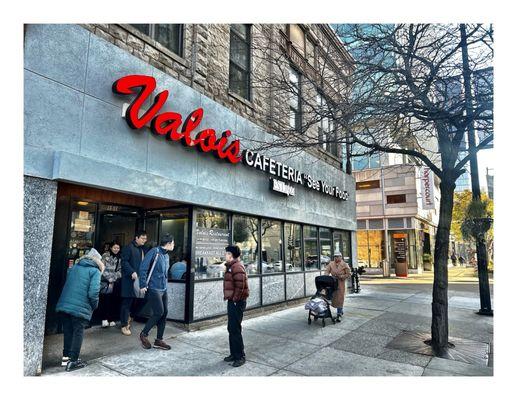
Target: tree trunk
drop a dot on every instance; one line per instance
(440, 319)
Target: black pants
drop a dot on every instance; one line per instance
(130, 306)
(235, 314)
(158, 302)
(109, 304)
(73, 329)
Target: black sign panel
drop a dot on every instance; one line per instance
(400, 249)
(211, 242)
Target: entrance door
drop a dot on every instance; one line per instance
(115, 226)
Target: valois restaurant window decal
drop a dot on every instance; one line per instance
(206, 141)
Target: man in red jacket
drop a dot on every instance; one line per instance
(236, 291)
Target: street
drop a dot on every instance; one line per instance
(283, 344)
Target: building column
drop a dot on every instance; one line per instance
(39, 207)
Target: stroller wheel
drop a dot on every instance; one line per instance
(309, 320)
(334, 321)
(323, 322)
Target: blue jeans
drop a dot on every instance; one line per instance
(340, 311)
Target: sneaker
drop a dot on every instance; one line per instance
(64, 361)
(105, 323)
(239, 362)
(125, 330)
(146, 344)
(73, 365)
(160, 344)
(229, 358)
(112, 323)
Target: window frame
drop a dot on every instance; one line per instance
(298, 89)
(247, 41)
(152, 35)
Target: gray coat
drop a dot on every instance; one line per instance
(112, 272)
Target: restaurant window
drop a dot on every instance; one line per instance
(168, 35)
(342, 243)
(292, 246)
(175, 224)
(396, 198)
(82, 230)
(310, 245)
(240, 55)
(272, 260)
(326, 247)
(295, 100)
(368, 185)
(245, 235)
(212, 237)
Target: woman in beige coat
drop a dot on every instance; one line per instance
(340, 270)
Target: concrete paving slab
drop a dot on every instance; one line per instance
(283, 372)
(182, 360)
(411, 308)
(332, 362)
(360, 343)
(437, 372)
(404, 357)
(259, 347)
(99, 342)
(460, 368)
(92, 369)
(372, 304)
(313, 334)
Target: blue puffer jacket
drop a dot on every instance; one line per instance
(80, 295)
(158, 279)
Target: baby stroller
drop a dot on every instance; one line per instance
(318, 305)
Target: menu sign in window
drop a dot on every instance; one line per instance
(400, 247)
(211, 242)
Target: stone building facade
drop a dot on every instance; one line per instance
(90, 178)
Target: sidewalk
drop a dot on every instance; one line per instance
(283, 344)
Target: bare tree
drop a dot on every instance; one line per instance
(402, 93)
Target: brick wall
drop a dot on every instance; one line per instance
(204, 66)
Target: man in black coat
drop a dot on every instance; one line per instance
(131, 256)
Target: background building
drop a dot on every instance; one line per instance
(393, 228)
(89, 178)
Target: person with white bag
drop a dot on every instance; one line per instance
(153, 282)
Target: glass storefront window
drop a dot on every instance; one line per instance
(292, 246)
(245, 235)
(342, 244)
(82, 230)
(212, 237)
(310, 244)
(325, 247)
(271, 246)
(175, 223)
(370, 248)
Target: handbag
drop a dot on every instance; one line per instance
(108, 289)
(136, 282)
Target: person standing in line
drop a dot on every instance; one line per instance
(110, 285)
(78, 300)
(153, 282)
(179, 269)
(236, 291)
(131, 257)
(340, 270)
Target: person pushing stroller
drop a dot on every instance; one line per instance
(340, 270)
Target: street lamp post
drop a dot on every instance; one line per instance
(480, 223)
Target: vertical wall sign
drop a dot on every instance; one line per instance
(427, 180)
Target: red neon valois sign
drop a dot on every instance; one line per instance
(168, 123)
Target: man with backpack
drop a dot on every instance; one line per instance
(153, 282)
